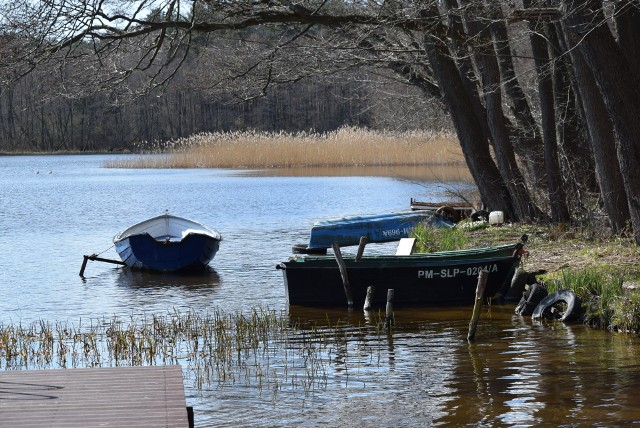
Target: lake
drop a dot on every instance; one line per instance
(55, 209)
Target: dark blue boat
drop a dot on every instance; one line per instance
(347, 231)
(167, 243)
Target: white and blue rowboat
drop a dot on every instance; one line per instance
(346, 231)
(167, 243)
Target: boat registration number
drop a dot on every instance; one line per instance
(389, 233)
(455, 272)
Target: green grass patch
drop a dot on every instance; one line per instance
(431, 239)
(598, 289)
(626, 312)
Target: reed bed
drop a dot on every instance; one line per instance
(261, 348)
(259, 150)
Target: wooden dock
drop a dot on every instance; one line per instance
(94, 397)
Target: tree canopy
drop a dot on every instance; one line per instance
(542, 94)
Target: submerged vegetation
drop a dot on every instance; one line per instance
(343, 147)
(261, 348)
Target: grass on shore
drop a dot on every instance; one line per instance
(259, 150)
(603, 271)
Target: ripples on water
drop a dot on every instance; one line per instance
(518, 373)
(55, 209)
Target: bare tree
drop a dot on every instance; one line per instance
(587, 30)
(459, 51)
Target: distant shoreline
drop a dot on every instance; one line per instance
(65, 153)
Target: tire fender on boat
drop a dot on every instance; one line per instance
(547, 306)
(530, 299)
(449, 213)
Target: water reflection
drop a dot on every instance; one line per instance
(517, 373)
(130, 278)
(441, 173)
(526, 373)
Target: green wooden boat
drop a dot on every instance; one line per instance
(431, 279)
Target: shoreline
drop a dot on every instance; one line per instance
(604, 271)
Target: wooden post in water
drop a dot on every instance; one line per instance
(343, 273)
(367, 301)
(389, 312)
(363, 241)
(84, 265)
(94, 257)
(473, 324)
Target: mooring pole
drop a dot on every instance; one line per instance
(343, 273)
(84, 265)
(389, 312)
(473, 324)
(94, 257)
(367, 301)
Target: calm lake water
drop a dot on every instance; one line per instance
(55, 209)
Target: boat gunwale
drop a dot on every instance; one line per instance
(417, 257)
(204, 230)
(389, 264)
(367, 218)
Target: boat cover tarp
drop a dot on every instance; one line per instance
(346, 231)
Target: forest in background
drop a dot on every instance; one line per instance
(35, 115)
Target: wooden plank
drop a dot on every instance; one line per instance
(417, 205)
(405, 246)
(150, 396)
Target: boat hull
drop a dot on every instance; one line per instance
(167, 243)
(444, 279)
(193, 252)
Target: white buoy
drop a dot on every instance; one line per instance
(496, 217)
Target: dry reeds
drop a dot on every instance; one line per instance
(258, 150)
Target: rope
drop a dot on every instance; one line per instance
(102, 252)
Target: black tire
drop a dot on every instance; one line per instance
(480, 215)
(530, 299)
(563, 305)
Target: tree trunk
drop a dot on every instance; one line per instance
(627, 18)
(465, 67)
(528, 146)
(488, 66)
(576, 156)
(557, 195)
(603, 144)
(475, 147)
(620, 89)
